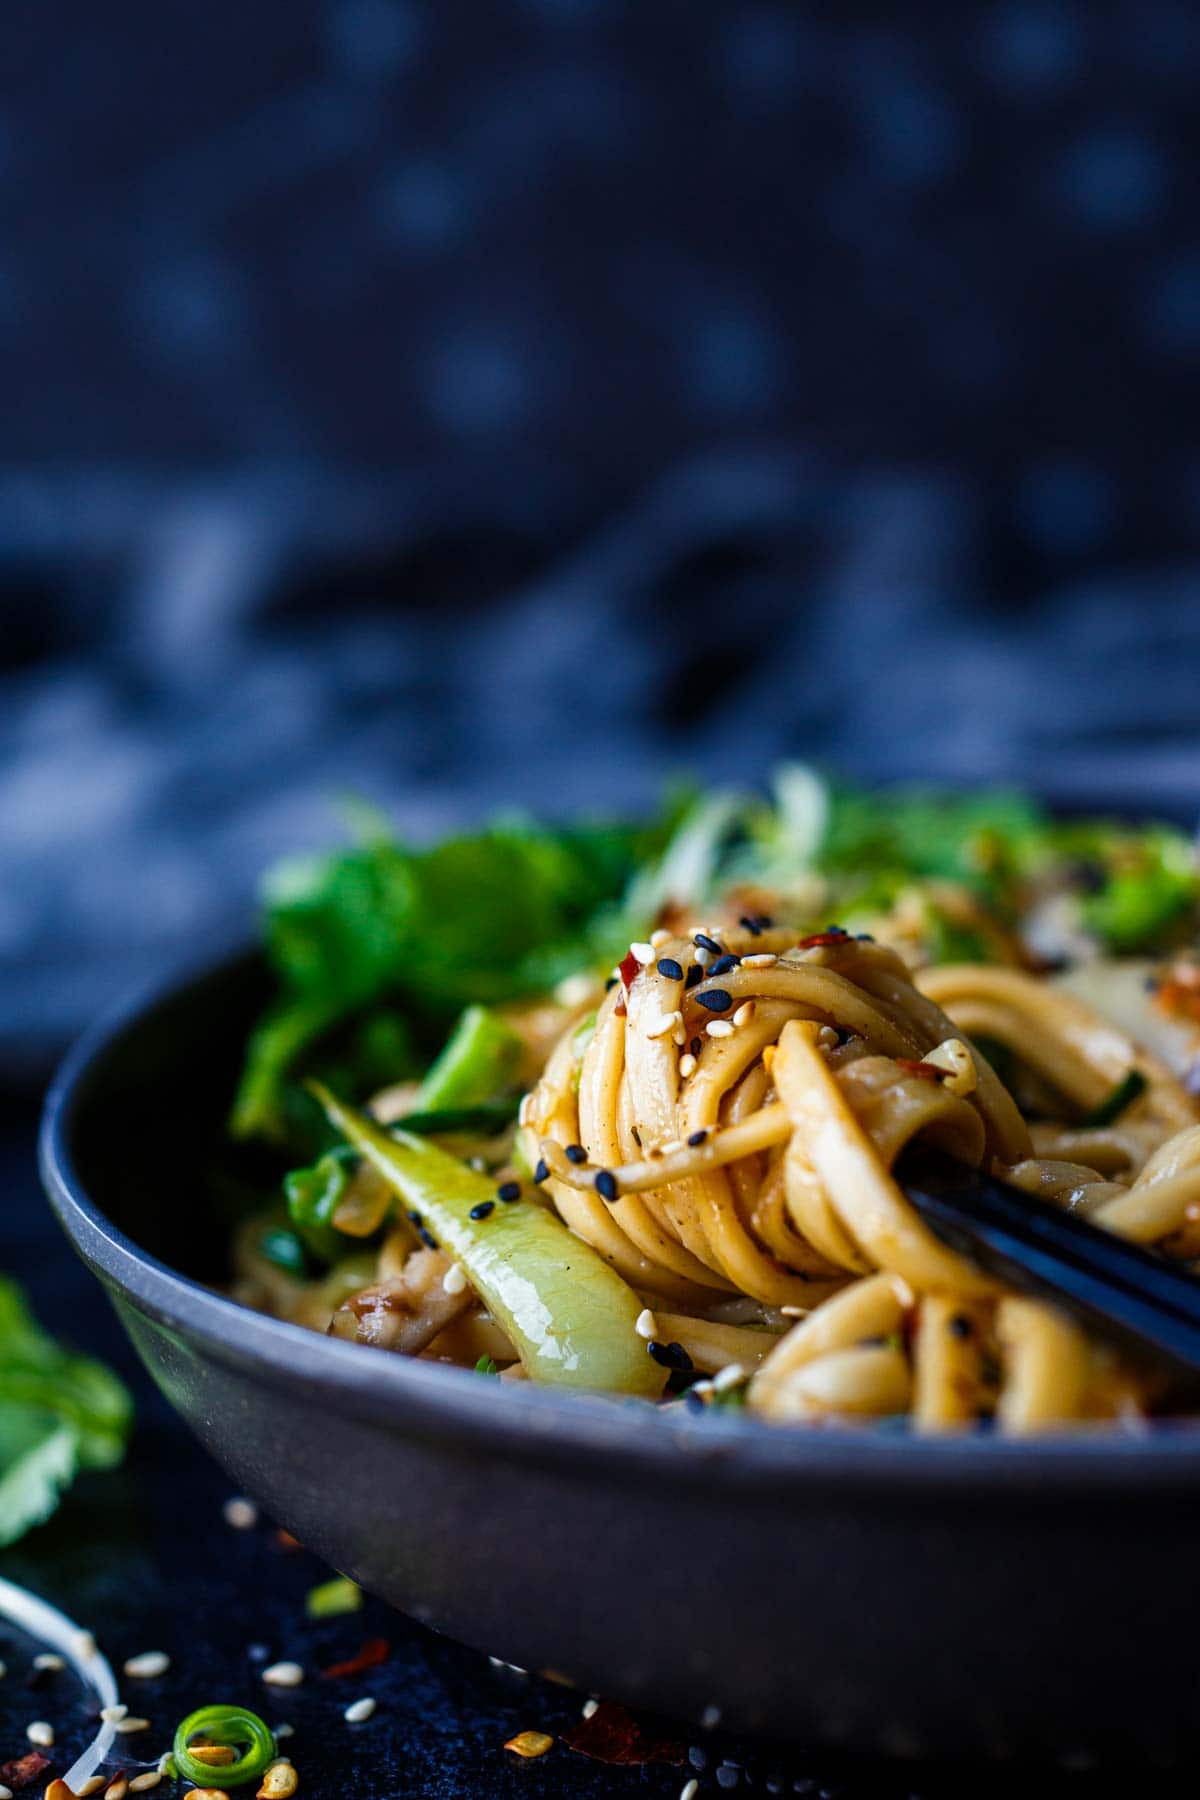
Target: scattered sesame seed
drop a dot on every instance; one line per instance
(687, 1065)
(670, 1147)
(670, 968)
(751, 925)
(605, 1184)
(118, 1786)
(744, 1013)
(643, 953)
(454, 1281)
(283, 1731)
(724, 963)
(427, 1238)
(149, 1664)
(727, 1777)
(39, 1733)
(483, 1210)
(92, 1785)
(576, 1153)
(112, 1715)
(710, 1718)
(508, 1191)
(696, 972)
(660, 937)
(242, 1514)
(659, 1025)
(359, 1710)
(671, 1356)
(728, 1377)
(611, 982)
(49, 1659)
(142, 1783)
(827, 1038)
(719, 1028)
(697, 1137)
(590, 1708)
(795, 1312)
(131, 1724)
(542, 1172)
(706, 943)
(645, 1324)
(690, 1789)
(960, 1326)
(283, 1674)
(762, 959)
(715, 999)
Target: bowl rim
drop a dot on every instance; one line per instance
(602, 1437)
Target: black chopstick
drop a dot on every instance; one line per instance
(1113, 1287)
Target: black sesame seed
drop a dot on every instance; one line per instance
(697, 1137)
(960, 1326)
(864, 937)
(508, 1191)
(764, 921)
(541, 1173)
(707, 943)
(698, 1756)
(715, 999)
(427, 1238)
(671, 1356)
(670, 968)
(750, 925)
(605, 1183)
(416, 1218)
(723, 965)
(610, 983)
(835, 930)
(576, 1153)
(696, 1046)
(482, 1211)
(727, 1777)
(695, 974)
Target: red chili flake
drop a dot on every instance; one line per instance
(285, 1541)
(629, 968)
(373, 1652)
(614, 1735)
(922, 1070)
(822, 937)
(23, 1769)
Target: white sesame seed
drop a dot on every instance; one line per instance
(687, 1065)
(283, 1674)
(744, 1013)
(149, 1664)
(525, 1110)
(660, 1025)
(719, 1028)
(141, 1783)
(689, 1790)
(728, 1377)
(795, 1312)
(762, 959)
(827, 1038)
(92, 1785)
(83, 1645)
(127, 1724)
(643, 953)
(660, 937)
(112, 1715)
(242, 1514)
(671, 1146)
(359, 1710)
(710, 1718)
(6, 1793)
(454, 1281)
(49, 1659)
(703, 956)
(39, 1733)
(283, 1731)
(646, 1325)
(590, 1707)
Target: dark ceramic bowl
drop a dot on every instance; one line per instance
(859, 1590)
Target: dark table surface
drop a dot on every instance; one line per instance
(145, 1559)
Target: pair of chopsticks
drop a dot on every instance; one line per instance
(1113, 1287)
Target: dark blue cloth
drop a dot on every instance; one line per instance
(461, 403)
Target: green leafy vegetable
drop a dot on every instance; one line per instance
(478, 1062)
(313, 1196)
(59, 1412)
(487, 1365)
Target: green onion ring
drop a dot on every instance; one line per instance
(224, 1725)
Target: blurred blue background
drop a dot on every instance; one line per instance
(460, 402)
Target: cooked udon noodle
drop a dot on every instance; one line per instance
(742, 1100)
